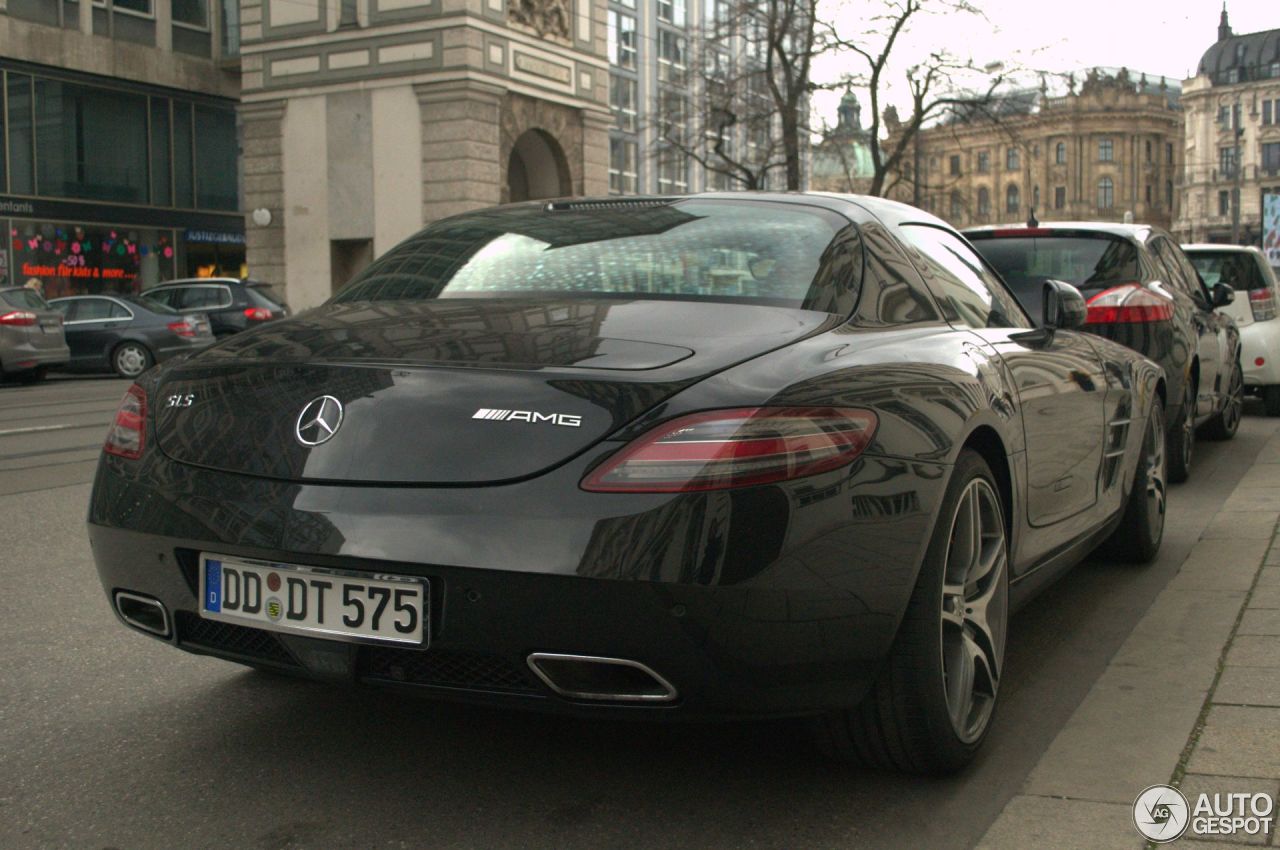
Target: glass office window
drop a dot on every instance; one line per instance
(92, 142)
(216, 151)
(183, 153)
(21, 139)
(161, 164)
(193, 12)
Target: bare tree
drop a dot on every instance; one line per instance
(752, 113)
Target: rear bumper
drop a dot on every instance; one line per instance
(1260, 340)
(745, 613)
(26, 355)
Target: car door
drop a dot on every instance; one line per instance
(1059, 380)
(94, 328)
(1192, 300)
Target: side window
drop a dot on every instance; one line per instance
(64, 307)
(118, 311)
(203, 298)
(167, 297)
(965, 286)
(1174, 276)
(93, 310)
(1188, 271)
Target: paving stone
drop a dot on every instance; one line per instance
(1265, 597)
(1195, 784)
(1270, 576)
(1253, 499)
(1234, 525)
(1260, 621)
(1249, 686)
(1239, 741)
(1254, 651)
(1221, 565)
(1029, 821)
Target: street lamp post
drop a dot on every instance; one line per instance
(1238, 167)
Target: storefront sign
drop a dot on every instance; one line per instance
(214, 237)
(120, 214)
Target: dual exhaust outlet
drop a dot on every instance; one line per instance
(577, 677)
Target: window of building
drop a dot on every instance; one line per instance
(1011, 159)
(71, 258)
(184, 189)
(1224, 203)
(622, 40)
(955, 166)
(22, 179)
(1012, 199)
(142, 7)
(1271, 157)
(1035, 197)
(1059, 197)
(673, 172)
(957, 206)
(671, 57)
(161, 175)
(1148, 193)
(623, 177)
(92, 143)
(1266, 112)
(672, 12)
(673, 114)
(984, 202)
(1224, 115)
(1168, 152)
(1105, 150)
(216, 151)
(984, 162)
(1106, 194)
(1060, 153)
(622, 99)
(194, 13)
(1148, 145)
(1168, 194)
(717, 14)
(1226, 162)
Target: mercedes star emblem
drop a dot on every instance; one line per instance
(318, 421)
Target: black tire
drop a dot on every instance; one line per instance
(1271, 399)
(130, 359)
(34, 376)
(1226, 422)
(1181, 442)
(1137, 538)
(906, 721)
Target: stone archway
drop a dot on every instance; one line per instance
(537, 168)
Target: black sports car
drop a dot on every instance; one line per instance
(720, 455)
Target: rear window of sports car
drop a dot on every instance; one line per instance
(754, 252)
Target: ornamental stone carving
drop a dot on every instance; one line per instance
(548, 18)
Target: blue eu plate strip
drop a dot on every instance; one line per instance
(213, 586)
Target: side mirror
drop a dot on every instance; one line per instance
(1222, 295)
(1064, 306)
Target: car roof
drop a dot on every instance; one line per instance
(1212, 246)
(211, 281)
(1140, 232)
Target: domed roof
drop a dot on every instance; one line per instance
(1253, 54)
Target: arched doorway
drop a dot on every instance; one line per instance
(537, 168)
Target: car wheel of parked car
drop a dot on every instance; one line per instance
(34, 376)
(1224, 425)
(1137, 538)
(131, 359)
(1182, 439)
(932, 704)
(1271, 400)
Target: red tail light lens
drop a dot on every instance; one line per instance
(257, 314)
(720, 449)
(1129, 302)
(1263, 304)
(18, 318)
(183, 328)
(127, 434)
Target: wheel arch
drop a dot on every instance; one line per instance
(986, 441)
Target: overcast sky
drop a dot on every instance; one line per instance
(1159, 37)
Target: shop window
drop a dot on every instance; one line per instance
(76, 259)
(92, 142)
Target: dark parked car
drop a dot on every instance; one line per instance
(1143, 292)
(231, 305)
(31, 337)
(127, 334)
(723, 455)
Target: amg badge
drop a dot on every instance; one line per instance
(530, 416)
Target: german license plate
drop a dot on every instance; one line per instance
(362, 607)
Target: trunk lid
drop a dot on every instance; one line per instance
(449, 391)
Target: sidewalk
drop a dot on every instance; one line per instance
(1192, 698)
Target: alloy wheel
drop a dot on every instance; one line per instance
(974, 612)
(1156, 478)
(1234, 407)
(1188, 426)
(131, 360)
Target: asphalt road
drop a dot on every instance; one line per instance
(109, 739)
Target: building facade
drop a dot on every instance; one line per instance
(364, 118)
(1232, 144)
(841, 161)
(119, 166)
(1109, 152)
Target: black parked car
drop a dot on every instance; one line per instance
(127, 334)
(231, 305)
(721, 455)
(1143, 292)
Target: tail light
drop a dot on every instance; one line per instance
(1129, 302)
(735, 448)
(1263, 303)
(18, 318)
(127, 433)
(184, 328)
(257, 314)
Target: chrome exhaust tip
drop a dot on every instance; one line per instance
(591, 677)
(143, 613)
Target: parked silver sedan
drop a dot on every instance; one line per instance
(31, 335)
